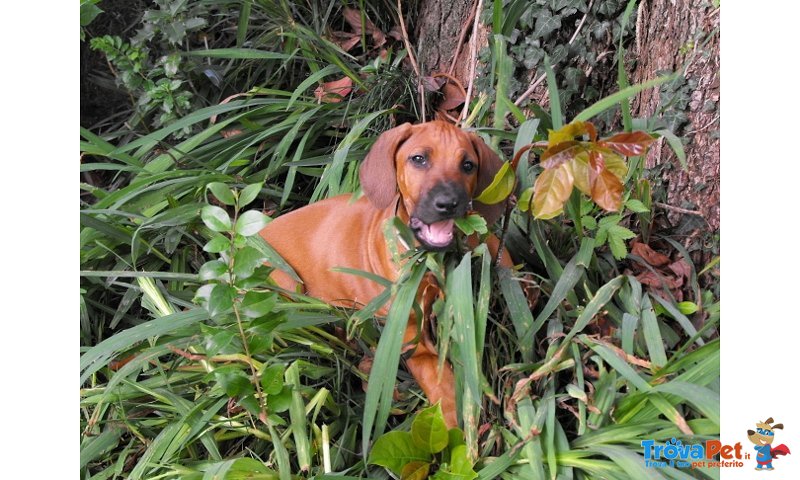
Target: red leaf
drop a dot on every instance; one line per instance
(607, 191)
(630, 144)
(335, 91)
(453, 97)
(649, 255)
(589, 126)
(596, 161)
(561, 153)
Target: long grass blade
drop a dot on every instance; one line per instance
(613, 99)
(387, 356)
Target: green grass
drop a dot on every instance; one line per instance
(563, 367)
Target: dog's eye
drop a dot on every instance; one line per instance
(418, 159)
(467, 166)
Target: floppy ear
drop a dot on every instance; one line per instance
(489, 164)
(779, 426)
(378, 174)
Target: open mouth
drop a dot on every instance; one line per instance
(436, 235)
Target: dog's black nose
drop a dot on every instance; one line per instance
(445, 203)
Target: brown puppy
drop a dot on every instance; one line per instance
(425, 174)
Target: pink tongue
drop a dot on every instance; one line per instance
(438, 233)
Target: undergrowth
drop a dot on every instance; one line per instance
(192, 365)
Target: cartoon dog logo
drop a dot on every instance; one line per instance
(763, 438)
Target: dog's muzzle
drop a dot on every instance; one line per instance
(433, 221)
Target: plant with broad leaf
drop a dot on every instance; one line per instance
(429, 450)
(242, 312)
(572, 157)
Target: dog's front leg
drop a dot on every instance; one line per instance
(424, 360)
(424, 366)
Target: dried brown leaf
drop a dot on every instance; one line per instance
(681, 268)
(656, 280)
(345, 40)
(649, 255)
(432, 84)
(453, 96)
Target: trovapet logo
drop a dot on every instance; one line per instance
(698, 455)
(713, 453)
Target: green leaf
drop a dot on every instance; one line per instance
(612, 100)
(616, 240)
(280, 402)
(455, 437)
(575, 391)
(589, 222)
(381, 384)
(500, 188)
(471, 224)
(213, 270)
(396, 449)
(88, 13)
(272, 379)
(232, 380)
(250, 223)
(248, 194)
(677, 146)
(223, 192)
(652, 334)
(460, 467)
(95, 446)
(217, 244)
(215, 218)
(219, 342)
(245, 261)
(524, 203)
(428, 429)
(257, 304)
(415, 471)
(555, 102)
(636, 206)
(238, 53)
(687, 308)
(221, 299)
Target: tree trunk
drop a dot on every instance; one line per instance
(438, 30)
(673, 35)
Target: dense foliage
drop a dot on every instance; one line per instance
(192, 366)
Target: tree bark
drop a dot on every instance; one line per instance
(439, 28)
(684, 35)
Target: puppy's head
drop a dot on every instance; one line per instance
(437, 168)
